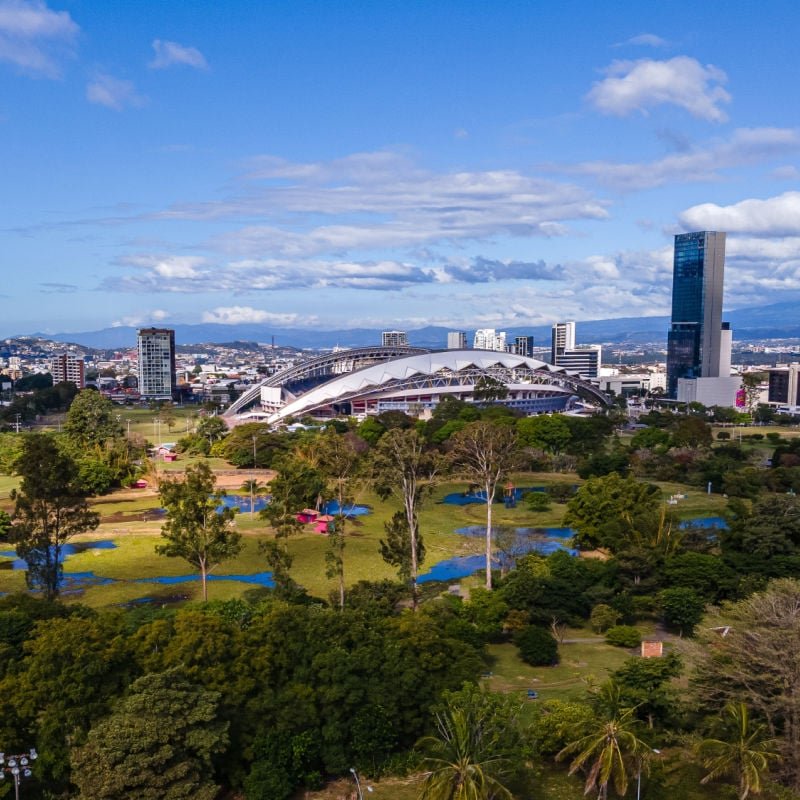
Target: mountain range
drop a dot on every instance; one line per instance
(774, 321)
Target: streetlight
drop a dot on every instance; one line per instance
(639, 775)
(18, 766)
(358, 784)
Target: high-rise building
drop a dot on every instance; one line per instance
(784, 385)
(489, 339)
(456, 340)
(586, 361)
(563, 338)
(68, 367)
(694, 340)
(523, 346)
(394, 339)
(156, 363)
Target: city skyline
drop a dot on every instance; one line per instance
(373, 165)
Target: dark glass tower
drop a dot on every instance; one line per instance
(693, 343)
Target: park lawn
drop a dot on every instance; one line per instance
(579, 663)
(698, 503)
(7, 483)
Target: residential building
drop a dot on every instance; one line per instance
(694, 340)
(563, 338)
(523, 346)
(489, 339)
(394, 339)
(456, 340)
(68, 367)
(156, 363)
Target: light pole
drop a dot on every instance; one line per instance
(18, 767)
(639, 776)
(358, 784)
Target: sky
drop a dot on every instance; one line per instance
(389, 164)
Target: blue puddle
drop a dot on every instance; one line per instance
(259, 578)
(67, 550)
(242, 502)
(354, 510)
(479, 496)
(705, 522)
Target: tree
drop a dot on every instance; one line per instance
(614, 512)
(49, 509)
(465, 757)
(396, 548)
(537, 646)
(339, 457)
(681, 608)
(91, 420)
(402, 464)
(744, 754)
(158, 744)
(746, 654)
(546, 432)
(486, 452)
(489, 390)
(608, 752)
(196, 530)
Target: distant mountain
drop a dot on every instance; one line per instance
(775, 321)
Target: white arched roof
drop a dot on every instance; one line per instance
(372, 378)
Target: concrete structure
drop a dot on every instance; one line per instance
(489, 339)
(156, 363)
(632, 384)
(563, 338)
(417, 383)
(456, 340)
(394, 339)
(725, 348)
(784, 385)
(523, 346)
(68, 367)
(586, 360)
(694, 339)
(709, 391)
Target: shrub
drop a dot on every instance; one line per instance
(537, 501)
(724, 435)
(537, 646)
(774, 437)
(624, 636)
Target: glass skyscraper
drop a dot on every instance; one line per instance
(693, 342)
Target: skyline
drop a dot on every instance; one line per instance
(385, 166)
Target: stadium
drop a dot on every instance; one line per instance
(373, 380)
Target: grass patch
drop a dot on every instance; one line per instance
(580, 663)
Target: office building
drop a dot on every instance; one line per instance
(489, 339)
(156, 363)
(394, 339)
(721, 392)
(784, 385)
(456, 340)
(563, 338)
(523, 346)
(68, 367)
(586, 361)
(694, 340)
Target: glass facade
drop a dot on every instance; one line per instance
(693, 343)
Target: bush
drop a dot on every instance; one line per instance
(537, 501)
(774, 437)
(537, 646)
(624, 636)
(724, 435)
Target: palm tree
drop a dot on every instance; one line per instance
(464, 759)
(253, 487)
(745, 754)
(608, 751)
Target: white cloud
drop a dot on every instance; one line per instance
(177, 267)
(34, 38)
(144, 318)
(681, 81)
(373, 201)
(644, 40)
(237, 315)
(168, 54)
(743, 147)
(603, 267)
(787, 172)
(775, 216)
(114, 93)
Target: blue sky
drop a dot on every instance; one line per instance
(339, 164)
